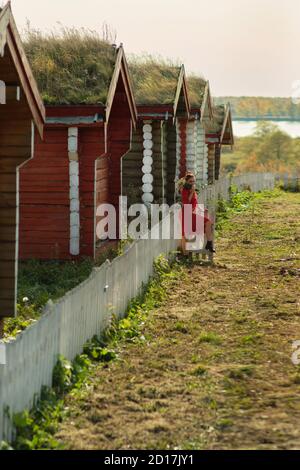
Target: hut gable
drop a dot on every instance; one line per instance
(221, 124)
(121, 82)
(200, 96)
(154, 82)
(12, 51)
(227, 137)
(181, 102)
(196, 88)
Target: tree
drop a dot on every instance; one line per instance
(264, 128)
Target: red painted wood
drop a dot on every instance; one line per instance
(73, 110)
(44, 181)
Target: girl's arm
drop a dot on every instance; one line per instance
(192, 192)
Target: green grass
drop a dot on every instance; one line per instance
(40, 281)
(210, 337)
(35, 428)
(71, 66)
(240, 201)
(154, 79)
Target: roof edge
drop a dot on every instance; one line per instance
(121, 67)
(11, 37)
(182, 84)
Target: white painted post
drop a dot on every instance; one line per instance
(201, 155)
(191, 147)
(74, 191)
(147, 188)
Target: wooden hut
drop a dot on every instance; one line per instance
(200, 121)
(158, 150)
(89, 119)
(21, 112)
(219, 133)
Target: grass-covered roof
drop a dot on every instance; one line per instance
(154, 80)
(218, 119)
(196, 89)
(71, 66)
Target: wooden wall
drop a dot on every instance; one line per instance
(132, 164)
(211, 163)
(217, 161)
(119, 128)
(15, 148)
(171, 162)
(45, 198)
(92, 177)
(157, 167)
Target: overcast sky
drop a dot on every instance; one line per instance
(244, 47)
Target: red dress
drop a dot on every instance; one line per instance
(198, 220)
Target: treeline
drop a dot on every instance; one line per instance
(268, 149)
(260, 107)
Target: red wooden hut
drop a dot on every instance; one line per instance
(21, 112)
(158, 149)
(219, 133)
(78, 164)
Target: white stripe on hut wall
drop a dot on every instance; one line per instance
(147, 188)
(74, 191)
(201, 155)
(191, 142)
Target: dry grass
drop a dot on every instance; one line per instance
(196, 88)
(71, 66)
(215, 371)
(154, 79)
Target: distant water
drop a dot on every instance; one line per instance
(246, 128)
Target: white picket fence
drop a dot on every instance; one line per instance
(290, 182)
(85, 311)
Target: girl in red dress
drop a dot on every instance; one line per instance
(189, 197)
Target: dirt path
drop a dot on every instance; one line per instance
(216, 370)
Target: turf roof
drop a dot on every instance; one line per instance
(218, 119)
(196, 90)
(72, 67)
(154, 80)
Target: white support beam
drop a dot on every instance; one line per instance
(74, 191)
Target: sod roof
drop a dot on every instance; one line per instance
(196, 90)
(154, 80)
(216, 125)
(72, 66)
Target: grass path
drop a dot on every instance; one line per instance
(215, 371)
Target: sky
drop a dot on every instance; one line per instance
(243, 47)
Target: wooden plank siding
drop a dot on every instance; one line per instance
(171, 162)
(211, 163)
(217, 161)
(44, 199)
(15, 148)
(91, 179)
(109, 166)
(157, 167)
(44, 195)
(132, 164)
